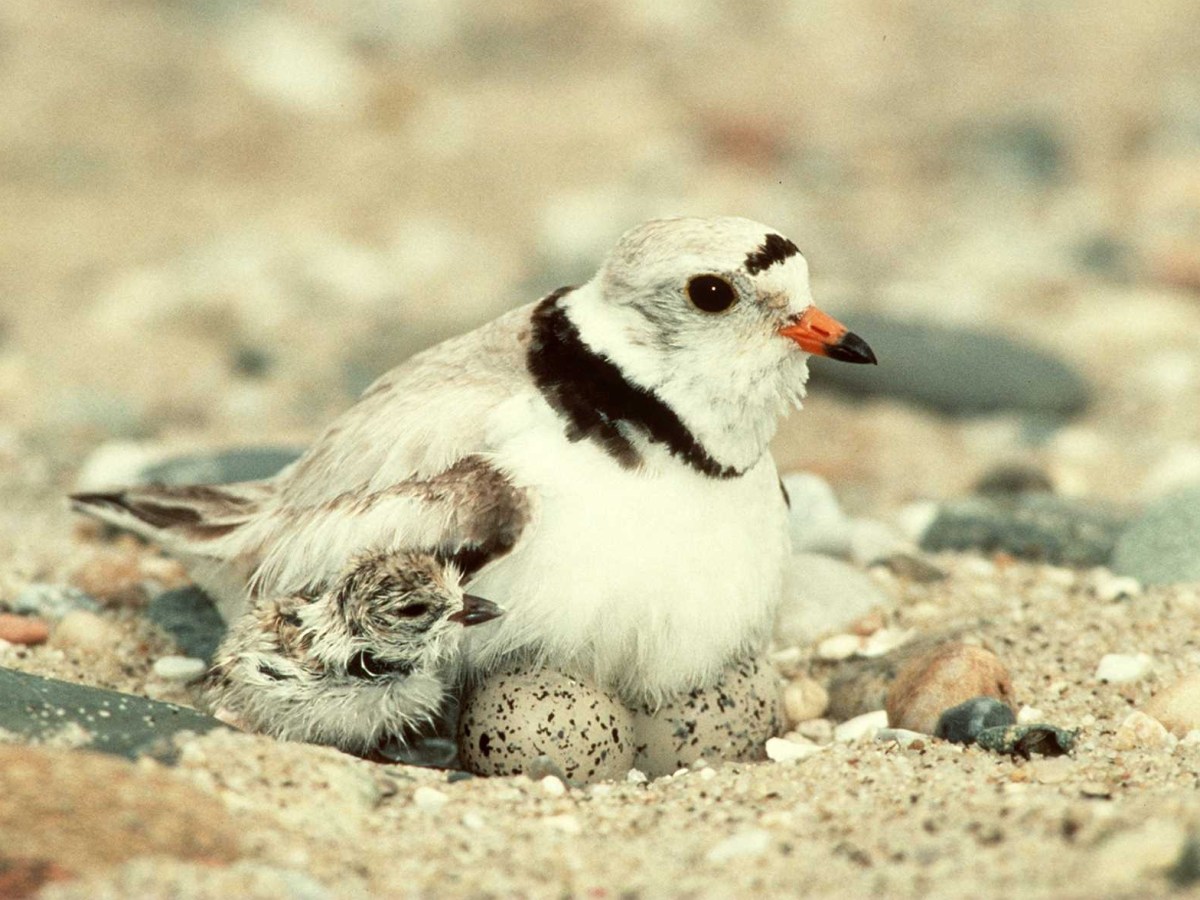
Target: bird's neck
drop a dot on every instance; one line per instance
(611, 391)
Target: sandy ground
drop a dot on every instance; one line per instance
(222, 221)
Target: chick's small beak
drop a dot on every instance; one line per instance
(823, 335)
(475, 611)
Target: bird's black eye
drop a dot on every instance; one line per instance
(413, 610)
(711, 293)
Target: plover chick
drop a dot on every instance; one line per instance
(370, 658)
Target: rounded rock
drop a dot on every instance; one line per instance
(942, 678)
(1122, 668)
(961, 724)
(1141, 732)
(1178, 706)
(179, 668)
(26, 630)
(729, 721)
(515, 716)
(804, 699)
(85, 632)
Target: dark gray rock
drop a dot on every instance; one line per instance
(962, 724)
(1162, 546)
(189, 616)
(37, 709)
(1039, 527)
(1014, 478)
(222, 467)
(956, 371)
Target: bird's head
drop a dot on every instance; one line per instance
(716, 316)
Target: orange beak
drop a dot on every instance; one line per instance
(823, 335)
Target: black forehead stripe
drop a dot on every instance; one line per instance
(589, 392)
(775, 249)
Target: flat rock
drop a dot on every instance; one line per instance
(1160, 547)
(191, 618)
(81, 811)
(825, 596)
(957, 371)
(1040, 527)
(42, 710)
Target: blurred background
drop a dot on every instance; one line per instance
(223, 219)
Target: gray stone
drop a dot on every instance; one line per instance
(1162, 546)
(222, 467)
(51, 601)
(38, 710)
(956, 371)
(962, 724)
(190, 617)
(1029, 526)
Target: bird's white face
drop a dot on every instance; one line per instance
(716, 317)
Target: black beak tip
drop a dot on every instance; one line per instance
(852, 349)
(476, 611)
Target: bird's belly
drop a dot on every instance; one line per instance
(648, 582)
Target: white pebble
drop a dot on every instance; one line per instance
(179, 668)
(1109, 587)
(751, 842)
(552, 786)
(885, 640)
(1028, 715)
(429, 799)
(901, 736)
(1140, 731)
(710, 774)
(782, 750)
(636, 776)
(839, 646)
(864, 726)
(1122, 668)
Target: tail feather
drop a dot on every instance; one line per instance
(192, 513)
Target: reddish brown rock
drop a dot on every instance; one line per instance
(942, 678)
(78, 810)
(23, 629)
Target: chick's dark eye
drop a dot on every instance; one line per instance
(710, 293)
(413, 610)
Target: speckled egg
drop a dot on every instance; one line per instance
(729, 721)
(515, 716)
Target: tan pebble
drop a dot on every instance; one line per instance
(85, 632)
(1141, 732)
(112, 574)
(26, 630)
(1178, 706)
(839, 646)
(804, 699)
(868, 624)
(943, 677)
(819, 731)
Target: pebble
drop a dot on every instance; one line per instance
(957, 371)
(179, 668)
(53, 601)
(1160, 546)
(191, 618)
(961, 724)
(1014, 478)
(838, 647)
(552, 786)
(1141, 732)
(942, 678)
(785, 750)
(804, 699)
(825, 595)
(1039, 527)
(1177, 707)
(819, 731)
(751, 842)
(901, 736)
(38, 708)
(428, 799)
(1109, 588)
(27, 630)
(863, 727)
(1122, 668)
(1027, 715)
(85, 632)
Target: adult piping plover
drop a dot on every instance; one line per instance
(369, 658)
(596, 462)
